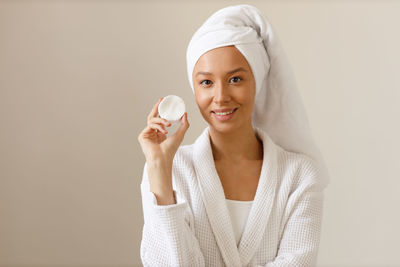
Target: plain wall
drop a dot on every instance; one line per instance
(78, 78)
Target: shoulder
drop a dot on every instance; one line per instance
(300, 170)
(184, 154)
(183, 160)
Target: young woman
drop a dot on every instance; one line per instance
(249, 191)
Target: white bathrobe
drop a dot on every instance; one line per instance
(284, 224)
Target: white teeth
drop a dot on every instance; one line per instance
(224, 113)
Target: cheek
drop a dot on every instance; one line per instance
(245, 97)
(202, 99)
(249, 95)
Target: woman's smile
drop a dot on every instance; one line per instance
(223, 114)
(226, 101)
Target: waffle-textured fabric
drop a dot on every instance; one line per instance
(284, 223)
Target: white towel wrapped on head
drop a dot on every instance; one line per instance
(278, 106)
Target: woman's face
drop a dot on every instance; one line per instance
(224, 88)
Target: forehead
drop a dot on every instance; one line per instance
(222, 59)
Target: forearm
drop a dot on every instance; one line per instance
(160, 179)
(168, 237)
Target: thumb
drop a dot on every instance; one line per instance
(184, 125)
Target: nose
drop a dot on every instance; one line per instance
(221, 93)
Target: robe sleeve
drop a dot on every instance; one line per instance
(168, 237)
(302, 221)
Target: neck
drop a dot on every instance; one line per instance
(241, 144)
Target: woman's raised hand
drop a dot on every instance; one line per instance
(153, 139)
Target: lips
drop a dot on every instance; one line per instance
(224, 111)
(224, 114)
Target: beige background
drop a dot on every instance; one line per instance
(78, 78)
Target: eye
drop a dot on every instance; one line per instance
(202, 82)
(237, 79)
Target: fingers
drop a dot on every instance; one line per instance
(159, 124)
(160, 121)
(148, 131)
(184, 121)
(184, 125)
(155, 123)
(154, 111)
(158, 127)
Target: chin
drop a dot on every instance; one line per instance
(223, 127)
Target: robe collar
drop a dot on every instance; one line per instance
(214, 200)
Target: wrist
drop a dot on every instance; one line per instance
(160, 179)
(165, 198)
(159, 163)
(159, 170)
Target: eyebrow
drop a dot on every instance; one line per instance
(229, 72)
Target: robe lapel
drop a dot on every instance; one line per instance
(214, 199)
(215, 203)
(263, 201)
